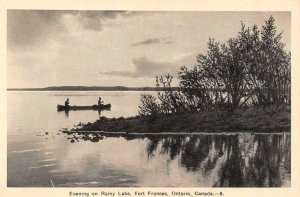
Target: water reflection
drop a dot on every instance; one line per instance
(67, 113)
(99, 113)
(238, 160)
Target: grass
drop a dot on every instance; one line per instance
(272, 119)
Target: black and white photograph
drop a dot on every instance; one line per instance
(148, 98)
(135, 99)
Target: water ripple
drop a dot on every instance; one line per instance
(25, 151)
(80, 183)
(42, 166)
(45, 160)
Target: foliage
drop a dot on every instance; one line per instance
(250, 69)
(149, 106)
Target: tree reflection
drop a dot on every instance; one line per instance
(271, 162)
(230, 174)
(244, 160)
(239, 160)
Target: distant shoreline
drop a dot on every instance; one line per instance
(100, 88)
(90, 88)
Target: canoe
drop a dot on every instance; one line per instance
(74, 107)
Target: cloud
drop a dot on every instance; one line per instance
(93, 20)
(147, 42)
(26, 27)
(144, 67)
(32, 27)
(150, 41)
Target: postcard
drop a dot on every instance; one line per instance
(173, 98)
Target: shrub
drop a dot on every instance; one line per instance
(148, 106)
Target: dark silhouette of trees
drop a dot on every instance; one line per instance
(149, 105)
(250, 69)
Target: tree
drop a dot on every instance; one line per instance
(250, 69)
(149, 106)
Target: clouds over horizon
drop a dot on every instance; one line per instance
(147, 68)
(53, 47)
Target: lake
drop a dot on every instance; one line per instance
(39, 155)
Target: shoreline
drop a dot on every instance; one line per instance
(253, 120)
(171, 133)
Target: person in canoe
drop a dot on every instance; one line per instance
(100, 102)
(67, 103)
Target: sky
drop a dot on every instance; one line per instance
(110, 48)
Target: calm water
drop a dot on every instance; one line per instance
(38, 159)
